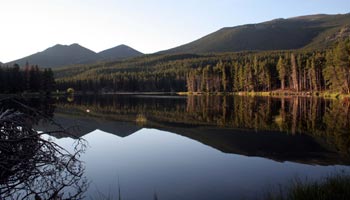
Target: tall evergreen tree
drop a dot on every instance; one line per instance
(294, 73)
(282, 72)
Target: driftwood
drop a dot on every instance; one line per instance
(32, 167)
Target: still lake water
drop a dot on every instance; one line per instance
(201, 147)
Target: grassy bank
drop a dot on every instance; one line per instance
(332, 187)
(276, 93)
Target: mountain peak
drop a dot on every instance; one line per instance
(59, 55)
(122, 45)
(119, 52)
(76, 45)
(62, 55)
(56, 46)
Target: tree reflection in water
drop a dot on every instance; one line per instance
(327, 121)
(34, 168)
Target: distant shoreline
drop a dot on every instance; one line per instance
(277, 93)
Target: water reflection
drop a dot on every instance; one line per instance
(201, 147)
(32, 167)
(307, 130)
(151, 162)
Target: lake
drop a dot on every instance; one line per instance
(199, 147)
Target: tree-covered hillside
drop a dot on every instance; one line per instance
(302, 70)
(323, 64)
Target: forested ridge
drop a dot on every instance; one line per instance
(298, 71)
(302, 54)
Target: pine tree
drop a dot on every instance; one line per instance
(294, 73)
(282, 72)
(312, 75)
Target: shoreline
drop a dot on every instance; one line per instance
(277, 93)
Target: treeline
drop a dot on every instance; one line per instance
(149, 73)
(299, 71)
(296, 71)
(126, 81)
(28, 79)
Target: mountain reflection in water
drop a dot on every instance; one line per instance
(149, 143)
(305, 130)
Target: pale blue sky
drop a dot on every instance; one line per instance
(29, 26)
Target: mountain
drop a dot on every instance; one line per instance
(87, 124)
(63, 55)
(59, 55)
(312, 31)
(118, 53)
